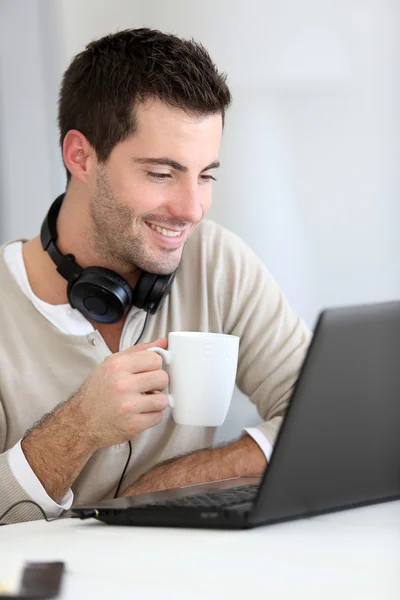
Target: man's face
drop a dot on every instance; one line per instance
(155, 188)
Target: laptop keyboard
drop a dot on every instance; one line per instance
(217, 499)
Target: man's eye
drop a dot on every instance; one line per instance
(159, 176)
(208, 178)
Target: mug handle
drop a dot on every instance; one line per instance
(166, 356)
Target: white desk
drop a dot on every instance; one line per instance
(353, 554)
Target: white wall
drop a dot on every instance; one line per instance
(309, 173)
(310, 152)
(30, 168)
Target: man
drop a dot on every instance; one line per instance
(141, 116)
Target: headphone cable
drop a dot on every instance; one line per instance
(129, 441)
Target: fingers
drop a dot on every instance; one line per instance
(150, 403)
(153, 381)
(143, 362)
(139, 362)
(132, 406)
(161, 343)
(148, 420)
(141, 383)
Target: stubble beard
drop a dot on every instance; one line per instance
(112, 237)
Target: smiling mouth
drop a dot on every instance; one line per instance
(171, 233)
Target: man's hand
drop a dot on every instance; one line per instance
(113, 405)
(116, 402)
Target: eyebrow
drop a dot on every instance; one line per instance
(173, 164)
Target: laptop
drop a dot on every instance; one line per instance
(338, 446)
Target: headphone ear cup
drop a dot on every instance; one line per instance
(150, 291)
(100, 295)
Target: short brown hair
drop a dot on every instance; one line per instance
(104, 82)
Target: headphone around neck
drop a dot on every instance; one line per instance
(98, 293)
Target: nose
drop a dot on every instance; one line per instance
(189, 205)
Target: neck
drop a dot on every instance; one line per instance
(74, 236)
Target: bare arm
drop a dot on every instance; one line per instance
(242, 458)
(112, 406)
(57, 449)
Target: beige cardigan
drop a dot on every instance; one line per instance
(221, 286)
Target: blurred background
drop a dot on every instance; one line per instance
(310, 155)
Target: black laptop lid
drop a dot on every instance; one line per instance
(340, 443)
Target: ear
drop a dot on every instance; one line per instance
(79, 156)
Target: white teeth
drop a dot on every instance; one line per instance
(166, 232)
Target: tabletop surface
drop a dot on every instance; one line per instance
(349, 554)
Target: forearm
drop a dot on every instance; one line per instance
(242, 458)
(57, 449)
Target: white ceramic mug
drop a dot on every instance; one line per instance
(202, 373)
